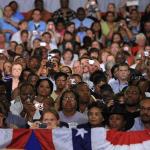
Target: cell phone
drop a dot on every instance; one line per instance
(1, 51)
(43, 125)
(73, 82)
(43, 44)
(146, 53)
(91, 62)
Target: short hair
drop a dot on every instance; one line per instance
(123, 64)
(60, 74)
(106, 87)
(68, 50)
(24, 31)
(25, 85)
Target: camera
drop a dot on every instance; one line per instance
(50, 64)
(43, 125)
(91, 62)
(39, 106)
(73, 82)
(43, 44)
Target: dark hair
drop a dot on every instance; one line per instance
(113, 69)
(95, 104)
(25, 85)
(60, 74)
(41, 80)
(24, 31)
(123, 64)
(36, 9)
(106, 87)
(68, 50)
(76, 98)
(21, 76)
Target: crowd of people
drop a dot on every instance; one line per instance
(75, 69)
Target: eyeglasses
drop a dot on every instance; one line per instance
(68, 99)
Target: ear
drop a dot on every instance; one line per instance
(58, 122)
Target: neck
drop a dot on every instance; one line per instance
(58, 91)
(68, 62)
(69, 113)
(131, 108)
(146, 125)
(2, 45)
(123, 81)
(16, 78)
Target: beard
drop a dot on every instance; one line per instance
(145, 118)
(131, 104)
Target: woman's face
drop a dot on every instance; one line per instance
(16, 70)
(44, 89)
(67, 56)
(33, 79)
(8, 11)
(110, 17)
(116, 121)
(51, 120)
(90, 34)
(116, 38)
(71, 28)
(96, 26)
(111, 8)
(69, 103)
(19, 49)
(7, 68)
(114, 48)
(95, 44)
(36, 44)
(95, 116)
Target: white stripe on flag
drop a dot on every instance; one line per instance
(98, 139)
(99, 142)
(62, 139)
(6, 136)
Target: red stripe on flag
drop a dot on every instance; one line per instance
(45, 138)
(20, 138)
(127, 138)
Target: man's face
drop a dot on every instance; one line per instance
(26, 92)
(36, 16)
(145, 111)
(132, 96)
(123, 72)
(64, 3)
(81, 14)
(84, 93)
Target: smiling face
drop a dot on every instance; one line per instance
(44, 89)
(50, 120)
(16, 70)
